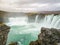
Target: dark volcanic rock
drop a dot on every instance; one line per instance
(4, 30)
(35, 43)
(47, 37)
(15, 43)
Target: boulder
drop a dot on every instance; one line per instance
(48, 37)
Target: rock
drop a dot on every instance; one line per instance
(4, 30)
(34, 43)
(15, 43)
(48, 37)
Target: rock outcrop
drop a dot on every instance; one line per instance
(4, 30)
(47, 37)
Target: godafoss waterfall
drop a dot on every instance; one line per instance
(29, 30)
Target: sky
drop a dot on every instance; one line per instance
(29, 5)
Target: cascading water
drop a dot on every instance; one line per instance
(36, 18)
(24, 34)
(50, 21)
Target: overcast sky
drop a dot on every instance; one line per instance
(29, 5)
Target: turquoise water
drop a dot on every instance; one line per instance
(22, 35)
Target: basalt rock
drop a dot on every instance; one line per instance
(15, 43)
(47, 37)
(4, 30)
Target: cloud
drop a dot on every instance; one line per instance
(29, 5)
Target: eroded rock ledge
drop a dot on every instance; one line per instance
(47, 37)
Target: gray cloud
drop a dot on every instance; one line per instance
(26, 5)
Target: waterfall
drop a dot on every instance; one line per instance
(49, 21)
(36, 18)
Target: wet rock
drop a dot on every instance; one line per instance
(15, 43)
(48, 37)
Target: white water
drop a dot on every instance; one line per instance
(50, 21)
